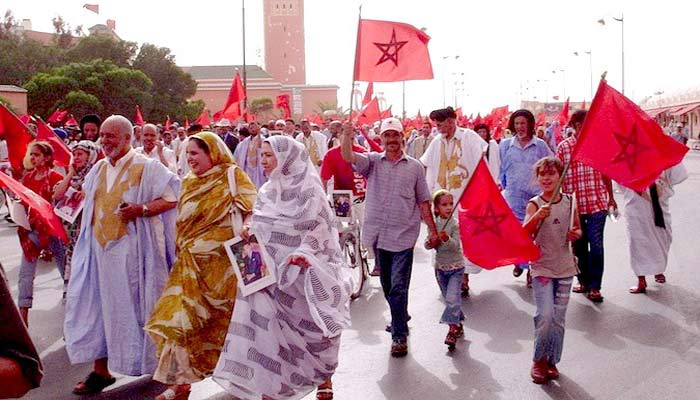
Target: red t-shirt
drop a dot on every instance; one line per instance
(345, 177)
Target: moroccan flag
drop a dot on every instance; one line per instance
(112, 24)
(92, 7)
(203, 118)
(71, 121)
(166, 125)
(235, 95)
(391, 51)
(57, 116)
(369, 93)
(61, 152)
(233, 111)
(187, 123)
(17, 136)
(563, 116)
(623, 142)
(477, 120)
(39, 207)
(373, 145)
(370, 113)
(282, 102)
(491, 235)
(541, 118)
(387, 113)
(139, 117)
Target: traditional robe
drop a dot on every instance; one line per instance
(119, 269)
(316, 145)
(247, 157)
(450, 164)
(649, 244)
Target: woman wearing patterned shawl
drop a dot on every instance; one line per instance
(189, 321)
(283, 340)
(85, 154)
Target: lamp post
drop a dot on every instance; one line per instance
(590, 67)
(245, 77)
(621, 20)
(444, 64)
(563, 80)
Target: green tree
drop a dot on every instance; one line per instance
(260, 104)
(105, 47)
(20, 59)
(98, 86)
(64, 33)
(8, 26)
(191, 110)
(171, 85)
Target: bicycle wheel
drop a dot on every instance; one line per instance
(354, 260)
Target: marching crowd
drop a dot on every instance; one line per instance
(150, 288)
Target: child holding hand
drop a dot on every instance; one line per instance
(449, 266)
(553, 221)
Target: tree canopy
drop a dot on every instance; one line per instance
(96, 73)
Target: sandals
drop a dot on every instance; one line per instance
(638, 289)
(660, 278)
(325, 391)
(93, 384)
(595, 296)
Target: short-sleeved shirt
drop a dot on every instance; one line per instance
(342, 173)
(394, 191)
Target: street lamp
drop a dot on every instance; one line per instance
(621, 20)
(590, 66)
(444, 64)
(563, 81)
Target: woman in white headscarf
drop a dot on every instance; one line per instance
(283, 341)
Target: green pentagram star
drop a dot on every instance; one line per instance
(487, 221)
(630, 148)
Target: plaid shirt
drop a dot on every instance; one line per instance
(591, 193)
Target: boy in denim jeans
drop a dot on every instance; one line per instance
(449, 266)
(553, 221)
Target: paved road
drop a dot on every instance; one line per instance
(629, 347)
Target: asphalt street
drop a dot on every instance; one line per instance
(628, 347)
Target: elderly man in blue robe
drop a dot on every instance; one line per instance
(121, 260)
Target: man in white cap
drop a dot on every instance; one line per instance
(397, 199)
(222, 129)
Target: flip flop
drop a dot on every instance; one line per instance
(94, 383)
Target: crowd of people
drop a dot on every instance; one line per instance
(150, 288)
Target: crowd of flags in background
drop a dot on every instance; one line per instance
(618, 139)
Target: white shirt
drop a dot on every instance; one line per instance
(168, 154)
(319, 138)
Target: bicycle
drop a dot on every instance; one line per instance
(355, 254)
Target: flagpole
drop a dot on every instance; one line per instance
(245, 77)
(354, 70)
(568, 164)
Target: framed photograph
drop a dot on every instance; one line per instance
(342, 204)
(251, 263)
(70, 206)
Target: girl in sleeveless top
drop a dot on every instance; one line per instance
(553, 221)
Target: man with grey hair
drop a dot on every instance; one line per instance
(155, 149)
(121, 260)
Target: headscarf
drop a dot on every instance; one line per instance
(218, 151)
(90, 147)
(292, 217)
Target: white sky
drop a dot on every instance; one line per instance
(503, 45)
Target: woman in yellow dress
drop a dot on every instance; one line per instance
(190, 320)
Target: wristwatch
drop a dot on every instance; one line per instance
(144, 210)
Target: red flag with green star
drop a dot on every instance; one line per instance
(391, 51)
(491, 235)
(623, 142)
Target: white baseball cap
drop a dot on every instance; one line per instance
(391, 124)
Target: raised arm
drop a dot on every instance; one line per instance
(346, 143)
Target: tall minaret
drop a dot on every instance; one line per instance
(285, 58)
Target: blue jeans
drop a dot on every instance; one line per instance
(450, 283)
(589, 250)
(551, 300)
(27, 270)
(395, 276)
